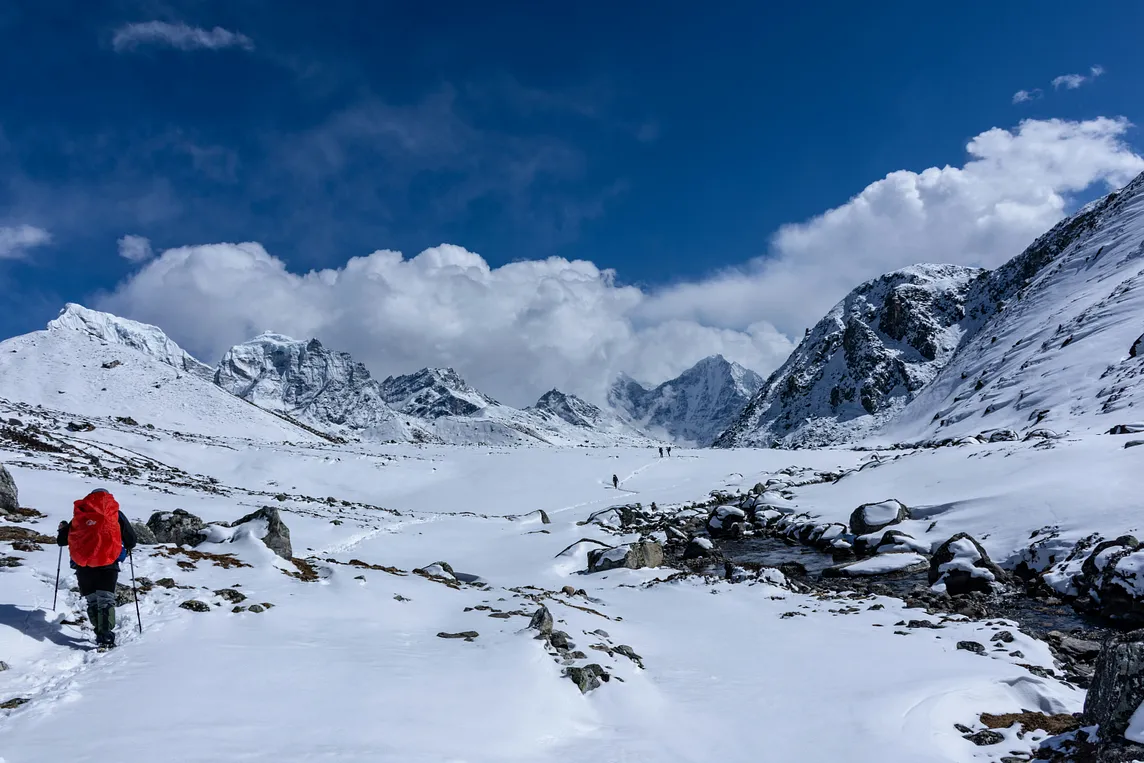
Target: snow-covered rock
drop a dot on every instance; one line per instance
(693, 408)
(862, 363)
(871, 517)
(634, 556)
(884, 564)
(556, 406)
(961, 565)
(145, 338)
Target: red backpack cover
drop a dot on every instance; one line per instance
(94, 538)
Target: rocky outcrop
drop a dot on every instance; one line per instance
(695, 407)
(587, 677)
(179, 527)
(143, 534)
(634, 556)
(9, 495)
(1137, 349)
(1117, 688)
(872, 517)
(308, 382)
(862, 363)
(276, 536)
(961, 565)
(432, 393)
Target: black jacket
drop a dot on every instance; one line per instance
(126, 532)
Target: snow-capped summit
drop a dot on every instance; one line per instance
(694, 407)
(432, 393)
(862, 362)
(303, 379)
(148, 339)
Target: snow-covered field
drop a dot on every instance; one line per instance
(350, 668)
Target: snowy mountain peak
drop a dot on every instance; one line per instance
(862, 362)
(303, 379)
(695, 407)
(143, 337)
(569, 407)
(432, 393)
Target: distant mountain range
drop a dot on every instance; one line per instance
(317, 390)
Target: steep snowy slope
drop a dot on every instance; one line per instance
(74, 371)
(862, 362)
(325, 389)
(1058, 326)
(693, 408)
(147, 339)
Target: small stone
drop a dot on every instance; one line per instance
(963, 728)
(238, 609)
(1004, 636)
(231, 595)
(466, 635)
(600, 632)
(399, 597)
(971, 646)
(986, 737)
(256, 609)
(541, 621)
(359, 577)
(267, 605)
(3, 666)
(166, 583)
(923, 624)
(195, 605)
(560, 640)
(1019, 655)
(14, 703)
(568, 590)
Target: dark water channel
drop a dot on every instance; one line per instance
(1037, 617)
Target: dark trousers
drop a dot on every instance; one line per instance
(92, 579)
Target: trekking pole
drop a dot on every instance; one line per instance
(56, 590)
(135, 592)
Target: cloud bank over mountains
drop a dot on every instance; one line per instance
(522, 328)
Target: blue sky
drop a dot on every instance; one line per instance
(666, 141)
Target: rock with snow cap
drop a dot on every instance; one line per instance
(871, 517)
(961, 565)
(276, 534)
(634, 556)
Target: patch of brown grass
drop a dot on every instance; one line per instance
(226, 561)
(378, 567)
(306, 571)
(1053, 724)
(24, 513)
(10, 533)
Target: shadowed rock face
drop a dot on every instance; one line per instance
(432, 393)
(9, 496)
(1117, 685)
(862, 362)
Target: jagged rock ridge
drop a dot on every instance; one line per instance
(862, 362)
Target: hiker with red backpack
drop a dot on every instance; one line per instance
(98, 538)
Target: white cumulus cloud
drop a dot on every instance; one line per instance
(16, 240)
(1014, 186)
(522, 328)
(514, 331)
(180, 36)
(135, 248)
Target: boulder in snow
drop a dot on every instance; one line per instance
(724, 518)
(1117, 688)
(143, 534)
(9, 496)
(698, 547)
(179, 527)
(636, 556)
(1137, 349)
(871, 517)
(961, 565)
(587, 677)
(277, 534)
(541, 621)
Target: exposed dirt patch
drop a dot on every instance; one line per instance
(10, 533)
(1054, 724)
(226, 561)
(306, 571)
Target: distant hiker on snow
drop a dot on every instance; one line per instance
(661, 451)
(669, 450)
(615, 482)
(98, 538)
